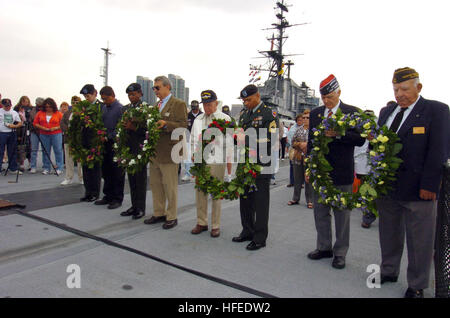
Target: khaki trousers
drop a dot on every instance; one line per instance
(217, 171)
(70, 165)
(164, 186)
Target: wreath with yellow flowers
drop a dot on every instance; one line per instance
(382, 160)
(144, 117)
(246, 173)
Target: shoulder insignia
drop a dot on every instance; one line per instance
(273, 127)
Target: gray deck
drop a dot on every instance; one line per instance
(34, 256)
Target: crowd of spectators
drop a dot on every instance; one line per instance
(30, 131)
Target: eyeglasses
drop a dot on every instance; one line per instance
(305, 117)
(156, 88)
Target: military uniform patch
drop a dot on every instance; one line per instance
(273, 127)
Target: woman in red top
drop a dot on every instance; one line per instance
(48, 123)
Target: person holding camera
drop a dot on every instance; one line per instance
(9, 122)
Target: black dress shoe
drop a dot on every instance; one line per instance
(385, 278)
(92, 199)
(338, 262)
(414, 293)
(128, 212)
(139, 214)
(102, 202)
(170, 224)
(316, 255)
(88, 198)
(241, 239)
(114, 205)
(155, 219)
(255, 246)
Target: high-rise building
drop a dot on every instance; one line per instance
(186, 95)
(179, 89)
(147, 90)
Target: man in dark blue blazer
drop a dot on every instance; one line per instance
(341, 159)
(423, 128)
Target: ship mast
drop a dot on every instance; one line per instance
(276, 55)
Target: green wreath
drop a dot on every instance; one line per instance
(382, 161)
(87, 115)
(143, 117)
(246, 173)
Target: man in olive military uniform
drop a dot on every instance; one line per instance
(91, 177)
(136, 137)
(254, 205)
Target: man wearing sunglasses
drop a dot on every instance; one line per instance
(163, 169)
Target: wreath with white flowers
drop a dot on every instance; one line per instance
(143, 117)
(246, 173)
(87, 115)
(381, 159)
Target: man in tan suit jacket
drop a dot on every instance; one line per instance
(163, 169)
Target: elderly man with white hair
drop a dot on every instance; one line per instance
(210, 106)
(341, 160)
(410, 209)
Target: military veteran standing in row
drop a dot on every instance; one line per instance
(163, 169)
(210, 105)
(341, 160)
(136, 137)
(254, 206)
(92, 178)
(113, 174)
(411, 208)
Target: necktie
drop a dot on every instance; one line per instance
(160, 104)
(398, 120)
(330, 113)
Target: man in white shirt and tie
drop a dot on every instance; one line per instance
(410, 208)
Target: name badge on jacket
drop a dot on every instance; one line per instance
(419, 130)
(167, 114)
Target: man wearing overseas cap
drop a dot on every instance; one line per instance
(210, 106)
(411, 208)
(254, 208)
(341, 160)
(92, 178)
(136, 137)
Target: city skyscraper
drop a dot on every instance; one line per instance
(147, 90)
(179, 89)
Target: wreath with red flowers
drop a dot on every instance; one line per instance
(246, 172)
(87, 115)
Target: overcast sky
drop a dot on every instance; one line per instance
(51, 48)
